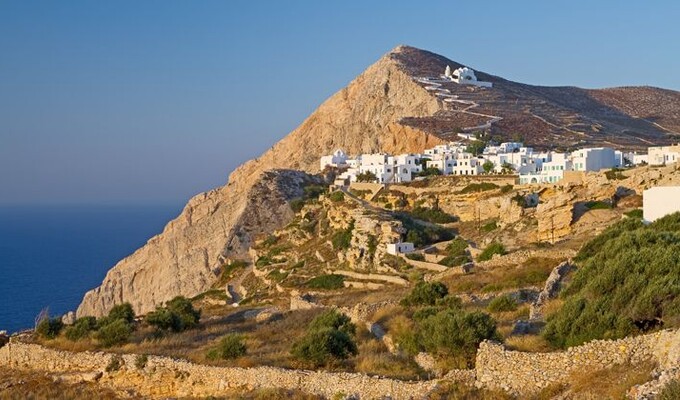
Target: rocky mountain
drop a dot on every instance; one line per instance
(392, 107)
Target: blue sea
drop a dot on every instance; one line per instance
(51, 255)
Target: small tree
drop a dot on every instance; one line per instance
(507, 168)
(177, 315)
(426, 294)
(329, 337)
(488, 166)
(230, 346)
(476, 147)
(81, 328)
(114, 333)
(49, 328)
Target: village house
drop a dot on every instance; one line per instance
(657, 202)
(663, 155)
(400, 248)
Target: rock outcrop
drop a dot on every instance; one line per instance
(183, 260)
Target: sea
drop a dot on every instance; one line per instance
(51, 255)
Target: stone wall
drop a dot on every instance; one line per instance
(525, 373)
(165, 377)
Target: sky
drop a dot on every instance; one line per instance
(152, 102)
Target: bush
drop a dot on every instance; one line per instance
(141, 360)
(451, 332)
(426, 294)
(114, 364)
(342, 239)
(434, 215)
(415, 256)
(420, 234)
(121, 311)
(502, 304)
(329, 337)
(598, 205)
(478, 187)
(457, 253)
(329, 281)
(614, 174)
(337, 196)
(114, 333)
(626, 283)
(367, 176)
(81, 328)
(671, 391)
(637, 213)
(177, 315)
(489, 227)
(491, 250)
(297, 204)
(231, 346)
(432, 171)
(49, 328)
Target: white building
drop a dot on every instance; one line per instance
(660, 201)
(465, 76)
(400, 248)
(663, 155)
(551, 171)
(467, 164)
(594, 159)
(337, 159)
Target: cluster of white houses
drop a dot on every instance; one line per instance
(512, 157)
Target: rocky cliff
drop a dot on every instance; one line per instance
(183, 259)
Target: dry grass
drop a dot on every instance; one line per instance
(375, 359)
(528, 343)
(32, 385)
(449, 391)
(612, 383)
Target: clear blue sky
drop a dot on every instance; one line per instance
(154, 101)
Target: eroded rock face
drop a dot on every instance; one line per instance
(184, 258)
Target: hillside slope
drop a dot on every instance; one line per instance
(386, 108)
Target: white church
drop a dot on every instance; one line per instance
(465, 76)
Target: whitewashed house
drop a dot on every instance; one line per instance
(443, 162)
(551, 171)
(594, 159)
(400, 248)
(657, 202)
(663, 155)
(467, 164)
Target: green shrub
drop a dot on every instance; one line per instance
(342, 239)
(313, 191)
(626, 283)
(115, 363)
(177, 315)
(502, 304)
(451, 332)
(329, 281)
(425, 294)
(141, 360)
(49, 328)
(297, 204)
(420, 234)
(598, 205)
(489, 227)
(478, 187)
(230, 346)
(415, 256)
(367, 176)
(337, 196)
(81, 328)
(615, 174)
(671, 391)
(114, 333)
(491, 250)
(432, 171)
(329, 337)
(434, 215)
(120, 311)
(637, 213)
(506, 188)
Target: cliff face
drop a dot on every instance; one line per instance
(184, 258)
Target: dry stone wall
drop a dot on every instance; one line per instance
(165, 377)
(524, 373)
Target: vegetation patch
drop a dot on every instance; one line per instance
(434, 215)
(329, 337)
(489, 226)
(598, 205)
(502, 303)
(615, 174)
(637, 213)
(231, 346)
(329, 282)
(177, 315)
(420, 234)
(415, 256)
(626, 283)
(491, 250)
(343, 238)
(457, 253)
